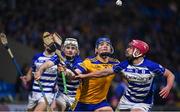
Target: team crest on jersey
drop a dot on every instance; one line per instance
(97, 67)
(105, 66)
(138, 78)
(138, 75)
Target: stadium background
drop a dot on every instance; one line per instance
(24, 21)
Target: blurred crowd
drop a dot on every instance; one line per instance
(155, 21)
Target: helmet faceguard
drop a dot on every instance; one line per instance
(51, 41)
(72, 41)
(104, 39)
(57, 39)
(47, 38)
(139, 46)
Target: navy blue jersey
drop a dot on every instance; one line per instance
(72, 85)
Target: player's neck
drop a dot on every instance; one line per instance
(104, 59)
(138, 61)
(46, 53)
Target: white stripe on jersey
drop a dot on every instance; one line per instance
(139, 82)
(72, 86)
(48, 78)
(44, 88)
(133, 98)
(44, 83)
(139, 89)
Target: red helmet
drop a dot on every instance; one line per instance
(142, 46)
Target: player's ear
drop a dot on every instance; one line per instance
(78, 52)
(62, 48)
(136, 53)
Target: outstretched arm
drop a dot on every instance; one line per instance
(26, 78)
(101, 73)
(108, 71)
(43, 67)
(170, 81)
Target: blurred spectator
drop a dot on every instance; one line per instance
(7, 92)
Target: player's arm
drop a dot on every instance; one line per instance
(29, 75)
(26, 78)
(108, 71)
(101, 73)
(81, 67)
(70, 74)
(170, 81)
(67, 72)
(45, 66)
(42, 68)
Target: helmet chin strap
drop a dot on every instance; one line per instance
(70, 57)
(105, 54)
(51, 48)
(135, 55)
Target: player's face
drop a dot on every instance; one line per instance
(129, 52)
(104, 47)
(51, 48)
(70, 50)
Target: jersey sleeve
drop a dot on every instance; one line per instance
(83, 67)
(55, 60)
(120, 66)
(77, 62)
(33, 66)
(156, 68)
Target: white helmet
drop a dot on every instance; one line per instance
(72, 41)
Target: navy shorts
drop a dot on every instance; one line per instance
(90, 107)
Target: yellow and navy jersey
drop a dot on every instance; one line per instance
(94, 90)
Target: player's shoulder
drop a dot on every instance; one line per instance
(37, 55)
(94, 59)
(91, 59)
(151, 64)
(114, 60)
(78, 58)
(55, 56)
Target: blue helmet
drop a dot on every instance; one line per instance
(104, 39)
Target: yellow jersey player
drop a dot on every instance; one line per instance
(92, 92)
